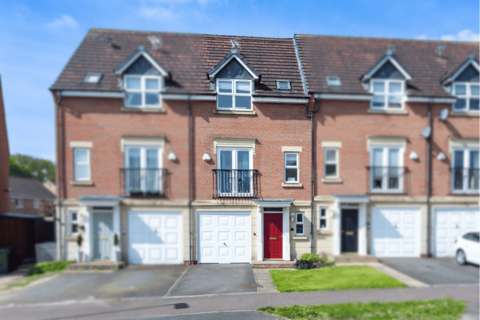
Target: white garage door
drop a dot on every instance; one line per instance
(395, 232)
(224, 237)
(450, 223)
(155, 237)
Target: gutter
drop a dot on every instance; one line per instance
(312, 179)
(60, 255)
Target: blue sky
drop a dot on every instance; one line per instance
(38, 37)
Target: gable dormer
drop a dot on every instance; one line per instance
(234, 81)
(143, 79)
(387, 81)
(463, 83)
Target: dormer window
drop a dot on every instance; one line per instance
(92, 78)
(283, 85)
(387, 94)
(234, 94)
(467, 96)
(142, 91)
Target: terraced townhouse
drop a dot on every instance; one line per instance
(224, 149)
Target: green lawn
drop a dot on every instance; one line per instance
(338, 278)
(444, 309)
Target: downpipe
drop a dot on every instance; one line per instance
(429, 180)
(189, 182)
(61, 254)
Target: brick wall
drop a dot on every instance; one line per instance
(28, 207)
(4, 155)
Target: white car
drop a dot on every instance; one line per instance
(467, 248)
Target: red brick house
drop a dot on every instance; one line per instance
(199, 147)
(4, 156)
(29, 196)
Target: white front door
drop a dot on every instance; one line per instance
(451, 223)
(154, 237)
(224, 237)
(395, 232)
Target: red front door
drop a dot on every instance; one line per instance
(272, 236)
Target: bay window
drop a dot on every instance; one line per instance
(234, 94)
(142, 91)
(387, 94)
(467, 96)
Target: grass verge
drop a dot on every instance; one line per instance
(38, 271)
(338, 278)
(442, 309)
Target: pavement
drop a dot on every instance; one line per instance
(435, 271)
(213, 279)
(9, 278)
(472, 311)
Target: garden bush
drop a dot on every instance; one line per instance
(312, 257)
(304, 265)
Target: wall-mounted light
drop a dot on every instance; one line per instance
(206, 157)
(172, 156)
(413, 155)
(293, 215)
(441, 156)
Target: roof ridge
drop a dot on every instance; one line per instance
(385, 38)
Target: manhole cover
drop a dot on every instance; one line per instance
(249, 286)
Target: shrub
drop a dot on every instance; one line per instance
(115, 240)
(312, 257)
(304, 265)
(54, 266)
(79, 241)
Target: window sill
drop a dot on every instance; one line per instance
(335, 180)
(326, 231)
(71, 238)
(144, 110)
(465, 114)
(387, 111)
(81, 183)
(245, 113)
(292, 185)
(300, 238)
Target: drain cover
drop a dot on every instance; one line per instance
(249, 286)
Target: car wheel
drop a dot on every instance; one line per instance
(461, 258)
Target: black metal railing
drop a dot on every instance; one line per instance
(465, 180)
(387, 180)
(238, 183)
(142, 182)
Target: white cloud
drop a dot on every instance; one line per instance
(65, 21)
(464, 35)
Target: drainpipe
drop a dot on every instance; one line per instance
(59, 178)
(312, 179)
(189, 182)
(429, 178)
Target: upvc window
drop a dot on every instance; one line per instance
(386, 171)
(74, 219)
(387, 94)
(467, 96)
(322, 223)
(331, 163)
(465, 170)
(143, 171)
(19, 203)
(142, 91)
(234, 94)
(299, 224)
(81, 158)
(36, 203)
(291, 168)
(234, 171)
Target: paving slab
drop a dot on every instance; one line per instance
(213, 279)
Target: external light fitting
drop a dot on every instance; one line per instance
(172, 156)
(206, 157)
(441, 156)
(413, 155)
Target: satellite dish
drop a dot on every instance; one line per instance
(443, 114)
(426, 132)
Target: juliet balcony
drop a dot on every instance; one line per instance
(239, 183)
(387, 180)
(465, 180)
(143, 182)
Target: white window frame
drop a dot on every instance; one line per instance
(320, 218)
(233, 93)
(83, 163)
(286, 81)
(19, 203)
(466, 166)
(336, 163)
(291, 167)
(143, 91)
(143, 163)
(73, 222)
(467, 96)
(36, 203)
(332, 81)
(234, 167)
(386, 150)
(386, 84)
(299, 223)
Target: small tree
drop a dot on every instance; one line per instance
(79, 241)
(115, 240)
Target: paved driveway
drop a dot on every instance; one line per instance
(132, 282)
(435, 271)
(215, 279)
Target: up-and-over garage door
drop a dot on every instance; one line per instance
(395, 232)
(155, 237)
(224, 237)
